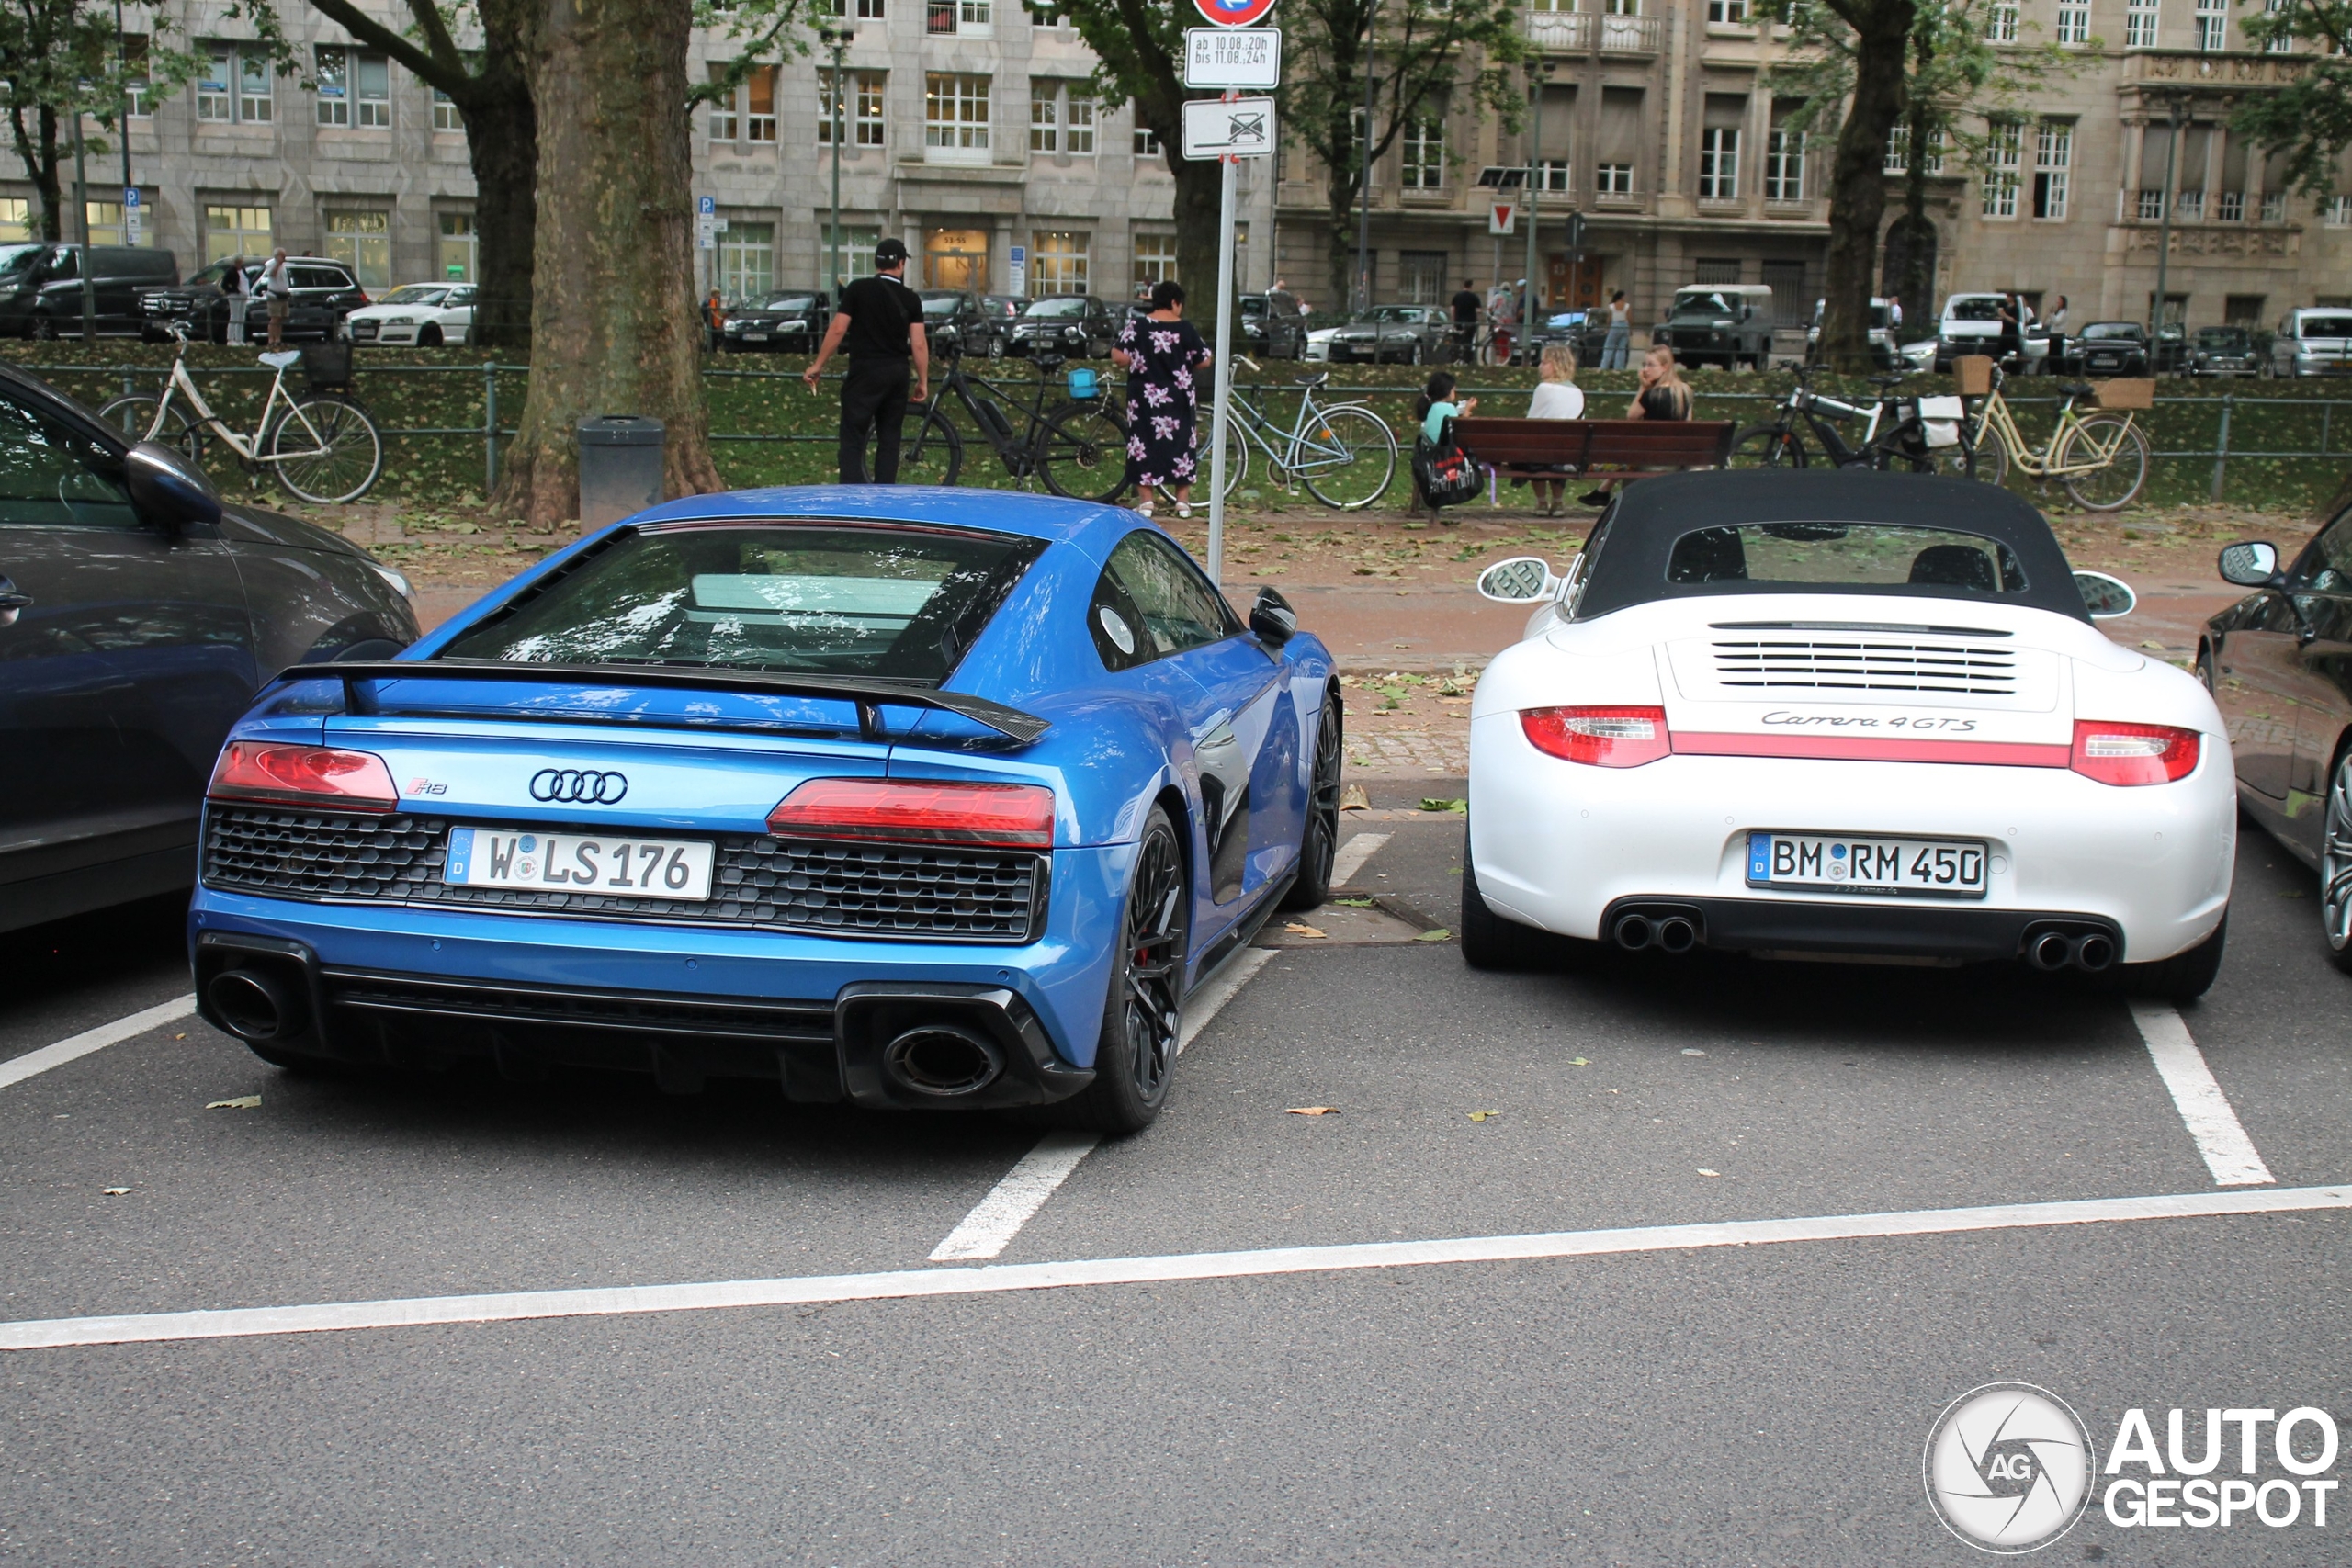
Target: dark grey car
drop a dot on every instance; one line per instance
(41, 288)
(138, 617)
(1409, 335)
(1077, 326)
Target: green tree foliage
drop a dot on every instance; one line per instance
(62, 57)
(2311, 120)
(1432, 58)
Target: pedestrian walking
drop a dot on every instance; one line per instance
(1466, 305)
(714, 319)
(1162, 354)
(880, 321)
(277, 283)
(233, 299)
(1614, 347)
(2056, 322)
(2010, 349)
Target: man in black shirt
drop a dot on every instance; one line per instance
(881, 320)
(1466, 320)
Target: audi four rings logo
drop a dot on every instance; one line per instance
(585, 788)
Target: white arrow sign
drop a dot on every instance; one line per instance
(1229, 127)
(1233, 57)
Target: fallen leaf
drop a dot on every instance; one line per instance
(116, 1191)
(1692, 1051)
(242, 1102)
(1312, 1110)
(1578, 1062)
(1352, 798)
(1294, 929)
(1704, 1171)
(2157, 646)
(1435, 802)
(179, 1036)
(1354, 903)
(1483, 1115)
(1441, 934)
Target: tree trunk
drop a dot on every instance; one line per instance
(1339, 262)
(502, 136)
(1858, 178)
(613, 323)
(41, 164)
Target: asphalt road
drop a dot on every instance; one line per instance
(1702, 1405)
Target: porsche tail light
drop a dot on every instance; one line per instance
(1602, 736)
(2133, 753)
(1013, 816)
(308, 775)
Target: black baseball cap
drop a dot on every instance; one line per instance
(889, 253)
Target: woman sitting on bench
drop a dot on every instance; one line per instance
(1664, 394)
(1557, 396)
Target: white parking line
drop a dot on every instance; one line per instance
(16, 1069)
(2227, 1152)
(1011, 1202)
(516, 1306)
(1352, 856)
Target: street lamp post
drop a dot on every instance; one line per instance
(122, 74)
(1364, 216)
(838, 41)
(1539, 74)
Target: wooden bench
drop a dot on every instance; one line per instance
(1626, 448)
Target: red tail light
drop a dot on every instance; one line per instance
(310, 775)
(2133, 753)
(920, 811)
(1602, 736)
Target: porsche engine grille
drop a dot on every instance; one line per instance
(1822, 664)
(906, 891)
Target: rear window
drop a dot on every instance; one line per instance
(1975, 310)
(1895, 558)
(2102, 330)
(2327, 326)
(898, 603)
(319, 277)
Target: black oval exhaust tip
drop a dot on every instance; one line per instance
(1634, 933)
(1675, 934)
(2049, 951)
(2094, 952)
(253, 1005)
(942, 1060)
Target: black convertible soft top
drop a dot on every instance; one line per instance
(1631, 545)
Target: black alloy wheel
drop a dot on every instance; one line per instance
(1143, 1017)
(2336, 866)
(1319, 845)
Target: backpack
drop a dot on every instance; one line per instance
(1444, 472)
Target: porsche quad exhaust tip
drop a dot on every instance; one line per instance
(253, 1005)
(941, 1061)
(1668, 933)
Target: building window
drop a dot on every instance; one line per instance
(2212, 25)
(2054, 159)
(456, 250)
(862, 115)
(954, 112)
(2274, 207)
(1059, 119)
(105, 219)
(236, 231)
(747, 260)
(256, 86)
(1613, 179)
(371, 91)
(334, 78)
(1551, 174)
(1424, 154)
(1785, 165)
(1056, 263)
(2335, 213)
(361, 241)
(2140, 19)
(135, 75)
(858, 250)
(1716, 269)
(2152, 207)
(2004, 143)
(2277, 43)
(1898, 149)
(724, 122)
(354, 88)
(2073, 25)
(1147, 142)
(956, 16)
(1078, 125)
(445, 112)
(759, 104)
(869, 10)
(1727, 13)
(2001, 22)
(1155, 254)
(16, 217)
(1423, 273)
(1718, 163)
(233, 86)
(2230, 207)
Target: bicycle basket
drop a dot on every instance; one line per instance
(1084, 383)
(327, 364)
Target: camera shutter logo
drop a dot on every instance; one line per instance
(2008, 1468)
(578, 787)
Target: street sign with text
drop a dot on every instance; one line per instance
(1229, 127)
(1233, 57)
(1234, 13)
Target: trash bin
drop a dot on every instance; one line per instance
(620, 467)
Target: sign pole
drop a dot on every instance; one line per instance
(1224, 378)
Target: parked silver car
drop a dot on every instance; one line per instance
(1410, 335)
(2313, 341)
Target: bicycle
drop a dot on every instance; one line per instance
(2103, 461)
(1344, 454)
(323, 446)
(1901, 442)
(1078, 449)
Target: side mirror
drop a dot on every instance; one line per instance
(169, 490)
(2252, 564)
(2105, 597)
(1271, 619)
(1522, 580)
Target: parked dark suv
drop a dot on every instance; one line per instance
(1077, 326)
(323, 293)
(1272, 326)
(138, 617)
(41, 288)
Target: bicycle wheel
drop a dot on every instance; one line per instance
(1237, 449)
(1084, 452)
(930, 453)
(135, 416)
(1767, 446)
(324, 449)
(1347, 457)
(1992, 455)
(2113, 483)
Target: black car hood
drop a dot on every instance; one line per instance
(251, 525)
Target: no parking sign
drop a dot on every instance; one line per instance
(1233, 13)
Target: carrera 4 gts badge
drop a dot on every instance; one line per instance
(578, 787)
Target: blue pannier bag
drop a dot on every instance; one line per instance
(1082, 384)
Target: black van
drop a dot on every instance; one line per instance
(41, 288)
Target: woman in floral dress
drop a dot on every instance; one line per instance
(1161, 354)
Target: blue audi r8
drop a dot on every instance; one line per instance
(907, 797)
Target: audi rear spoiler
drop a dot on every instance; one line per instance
(870, 695)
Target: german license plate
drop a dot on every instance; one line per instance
(755, 337)
(639, 868)
(1829, 862)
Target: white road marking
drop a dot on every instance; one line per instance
(16, 1069)
(518, 1306)
(1015, 1201)
(2227, 1152)
(1352, 856)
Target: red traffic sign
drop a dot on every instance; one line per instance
(1234, 13)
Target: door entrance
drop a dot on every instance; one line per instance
(1574, 286)
(955, 258)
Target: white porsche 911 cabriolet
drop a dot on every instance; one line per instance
(1842, 713)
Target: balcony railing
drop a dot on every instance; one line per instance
(1575, 32)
